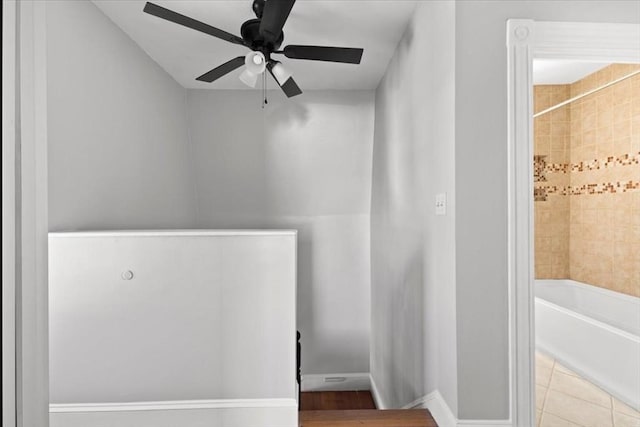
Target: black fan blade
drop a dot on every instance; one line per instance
(345, 55)
(274, 17)
(222, 70)
(169, 15)
(290, 87)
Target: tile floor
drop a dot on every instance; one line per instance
(564, 399)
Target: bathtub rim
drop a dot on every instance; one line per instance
(592, 288)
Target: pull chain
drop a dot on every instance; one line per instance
(264, 90)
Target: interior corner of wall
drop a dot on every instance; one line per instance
(191, 164)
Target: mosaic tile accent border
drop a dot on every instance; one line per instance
(606, 187)
(539, 195)
(539, 168)
(611, 161)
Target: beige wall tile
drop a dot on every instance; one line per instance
(622, 112)
(622, 129)
(559, 115)
(588, 237)
(542, 128)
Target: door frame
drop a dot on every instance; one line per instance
(528, 39)
(9, 92)
(25, 355)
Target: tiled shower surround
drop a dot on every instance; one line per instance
(587, 182)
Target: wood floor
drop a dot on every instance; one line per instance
(336, 401)
(355, 408)
(369, 418)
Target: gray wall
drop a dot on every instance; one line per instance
(413, 349)
(122, 155)
(118, 137)
(481, 187)
(303, 163)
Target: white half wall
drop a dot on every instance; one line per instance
(304, 164)
(413, 348)
(171, 321)
(118, 137)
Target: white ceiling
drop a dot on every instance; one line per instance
(377, 26)
(560, 71)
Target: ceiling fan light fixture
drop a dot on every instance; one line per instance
(249, 78)
(280, 73)
(255, 62)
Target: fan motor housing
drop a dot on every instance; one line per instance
(250, 32)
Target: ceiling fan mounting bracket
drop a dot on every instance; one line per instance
(250, 32)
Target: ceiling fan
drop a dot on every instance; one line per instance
(264, 36)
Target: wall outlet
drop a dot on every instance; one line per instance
(441, 204)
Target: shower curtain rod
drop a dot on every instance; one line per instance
(575, 98)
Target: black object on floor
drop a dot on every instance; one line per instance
(298, 374)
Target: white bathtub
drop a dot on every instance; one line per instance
(593, 331)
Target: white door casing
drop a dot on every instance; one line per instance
(526, 40)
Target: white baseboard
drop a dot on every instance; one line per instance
(195, 413)
(438, 408)
(441, 412)
(484, 423)
(336, 382)
(377, 397)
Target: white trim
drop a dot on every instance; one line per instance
(377, 397)
(420, 402)
(527, 39)
(520, 226)
(172, 405)
(171, 233)
(32, 364)
(441, 412)
(9, 43)
(195, 413)
(438, 408)
(484, 423)
(336, 382)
